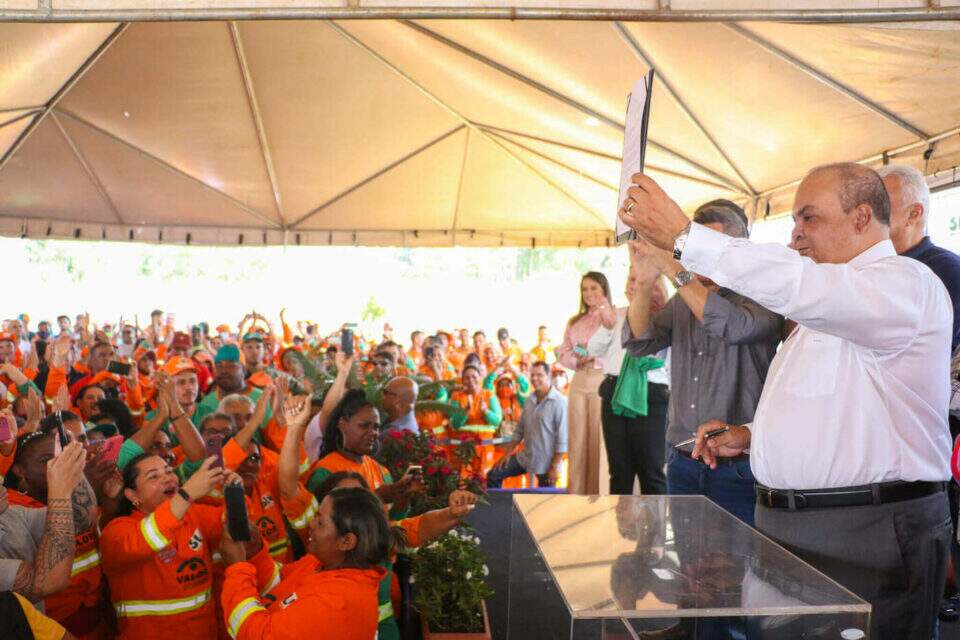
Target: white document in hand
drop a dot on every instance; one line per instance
(634, 145)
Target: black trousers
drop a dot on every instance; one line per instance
(892, 555)
(635, 446)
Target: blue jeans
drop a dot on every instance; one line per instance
(495, 477)
(729, 485)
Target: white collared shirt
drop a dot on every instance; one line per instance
(860, 392)
(606, 344)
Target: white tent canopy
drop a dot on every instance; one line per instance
(442, 132)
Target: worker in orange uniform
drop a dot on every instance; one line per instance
(329, 593)
(157, 559)
(78, 607)
(481, 416)
(258, 468)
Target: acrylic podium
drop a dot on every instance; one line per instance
(662, 567)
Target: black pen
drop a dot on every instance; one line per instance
(710, 434)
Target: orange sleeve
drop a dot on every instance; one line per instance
(273, 435)
(127, 541)
(31, 374)
(135, 400)
(56, 378)
(300, 511)
(411, 526)
(233, 455)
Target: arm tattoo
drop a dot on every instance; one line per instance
(84, 504)
(55, 553)
(23, 583)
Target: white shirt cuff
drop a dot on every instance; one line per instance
(702, 251)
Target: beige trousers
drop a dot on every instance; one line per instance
(584, 432)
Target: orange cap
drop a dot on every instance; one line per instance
(179, 364)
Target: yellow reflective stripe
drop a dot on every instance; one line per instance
(279, 547)
(274, 579)
(386, 611)
(304, 466)
(136, 608)
(477, 428)
(151, 532)
(86, 561)
(439, 430)
(240, 613)
(308, 515)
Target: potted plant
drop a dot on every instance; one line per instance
(449, 576)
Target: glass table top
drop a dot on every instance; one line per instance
(669, 556)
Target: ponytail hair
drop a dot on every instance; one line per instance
(351, 404)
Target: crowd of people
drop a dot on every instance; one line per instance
(118, 443)
(802, 388)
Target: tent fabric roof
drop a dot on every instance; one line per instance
(442, 132)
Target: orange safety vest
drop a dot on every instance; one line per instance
(372, 471)
(473, 405)
(86, 576)
(308, 602)
(160, 572)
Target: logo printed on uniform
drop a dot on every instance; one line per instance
(289, 600)
(266, 500)
(196, 540)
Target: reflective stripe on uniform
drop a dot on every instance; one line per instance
(135, 608)
(151, 532)
(274, 580)
(386, 611)
(240, 613)
(279, 547)
(477, 428)
(308, 515)
(304, 466)
(84, 562)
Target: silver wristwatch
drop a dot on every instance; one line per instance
(682, 278)
(680, 241)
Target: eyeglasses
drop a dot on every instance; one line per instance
(253, 457)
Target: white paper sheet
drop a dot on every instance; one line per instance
(634, 145)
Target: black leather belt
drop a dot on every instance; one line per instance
(870, 494)
(743, 457)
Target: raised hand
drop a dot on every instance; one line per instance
(205, 479)
(296, 410)
(61, 401)
(65, 471)
(649, 211)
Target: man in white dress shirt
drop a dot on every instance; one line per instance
(849, 443)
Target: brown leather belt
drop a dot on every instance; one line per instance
(743, 457)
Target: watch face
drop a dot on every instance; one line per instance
(683, 278)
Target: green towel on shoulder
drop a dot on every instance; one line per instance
(630, 396)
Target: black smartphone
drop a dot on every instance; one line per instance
(62, 432)
(238, 523)
(214, 445)
(346, 342)
(119, 368)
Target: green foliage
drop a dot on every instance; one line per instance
(450, 577)
(442, 467)
(372, 311)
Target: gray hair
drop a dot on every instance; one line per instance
(912, 183)
(859, 185)
(725, 212)
(232, 399)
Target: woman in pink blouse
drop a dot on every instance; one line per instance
(583, 411)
